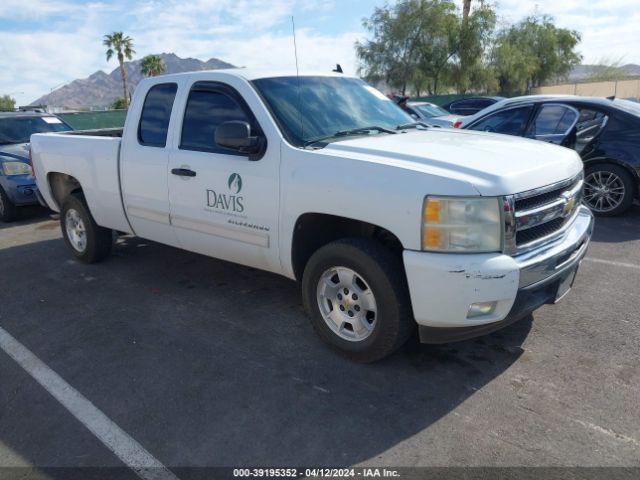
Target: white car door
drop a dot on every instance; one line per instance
(143, 169)
(223, 204)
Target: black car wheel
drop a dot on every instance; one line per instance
(8, 211)
(88, 242)
(608, 190)
(355, 292)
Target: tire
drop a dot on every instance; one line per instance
(88, 242)
(372, 318)
(619, 189)
(8, 211)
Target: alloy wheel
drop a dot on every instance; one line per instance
(347, 303)
(76, 231)
(603, 191)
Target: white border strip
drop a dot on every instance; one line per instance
(145, 465)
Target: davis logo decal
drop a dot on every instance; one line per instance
(228, 202)
(235, 182)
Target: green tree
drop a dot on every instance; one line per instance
(438, 45)
(412, 41)
(152, 65)
(534, 51)
(120, 45)
(7, 103)
(469, 66)
(512, 67)
(119, 104)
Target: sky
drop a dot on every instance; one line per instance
(45, 44)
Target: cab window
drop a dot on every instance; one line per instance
(156, 113)
(206, 110)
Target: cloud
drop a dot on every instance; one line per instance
(609, 29)
(65, 41)
(34, 9)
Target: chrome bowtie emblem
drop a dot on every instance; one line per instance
(569, 203)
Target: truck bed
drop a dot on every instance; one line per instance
(100, 132)
(92, 158)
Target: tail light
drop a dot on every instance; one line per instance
(457, 124)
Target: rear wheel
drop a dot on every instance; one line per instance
(8, 211)
(88, 242)
(608, 190)
(355, 293)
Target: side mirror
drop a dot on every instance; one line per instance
(236, 135)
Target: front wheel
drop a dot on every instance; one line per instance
(355, 292)
(88, 242)
(608, 190)
(8, 211)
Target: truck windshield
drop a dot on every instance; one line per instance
(313, 108)
(20, 129)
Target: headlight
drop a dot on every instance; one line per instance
(16, 168)
(455, 224)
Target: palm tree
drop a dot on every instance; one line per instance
(122, 46)
(152, 65)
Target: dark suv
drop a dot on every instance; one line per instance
(604, 131)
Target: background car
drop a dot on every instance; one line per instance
(604, 131)
(17, 185)
(470, 105)
(431, 114)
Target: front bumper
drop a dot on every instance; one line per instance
(444, 286)
(21, 189)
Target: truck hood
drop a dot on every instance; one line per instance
(14, 151)
(493, 164)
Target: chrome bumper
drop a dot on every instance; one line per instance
(548, 262)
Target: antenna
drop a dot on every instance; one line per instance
(295, 45)
(295, 52)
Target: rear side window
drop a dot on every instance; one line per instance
(553, 120)
(206, 110)
(156, 112)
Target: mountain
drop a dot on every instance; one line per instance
(101, 89)
(581, 73)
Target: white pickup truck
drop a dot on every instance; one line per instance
(322, 179)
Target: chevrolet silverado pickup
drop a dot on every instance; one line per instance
(386, 224)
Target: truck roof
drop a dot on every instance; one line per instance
(255, 74)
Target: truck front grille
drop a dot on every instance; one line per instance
(537, 216)
(539, 231)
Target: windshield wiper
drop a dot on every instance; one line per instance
(351, 131)
(406, 126)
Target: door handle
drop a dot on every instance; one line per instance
(183, 172)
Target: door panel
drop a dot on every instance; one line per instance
(144, 166)
(229, 208)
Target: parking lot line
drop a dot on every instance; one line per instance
(128, 450)
(611, 262)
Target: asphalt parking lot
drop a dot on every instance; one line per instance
(206, 363)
